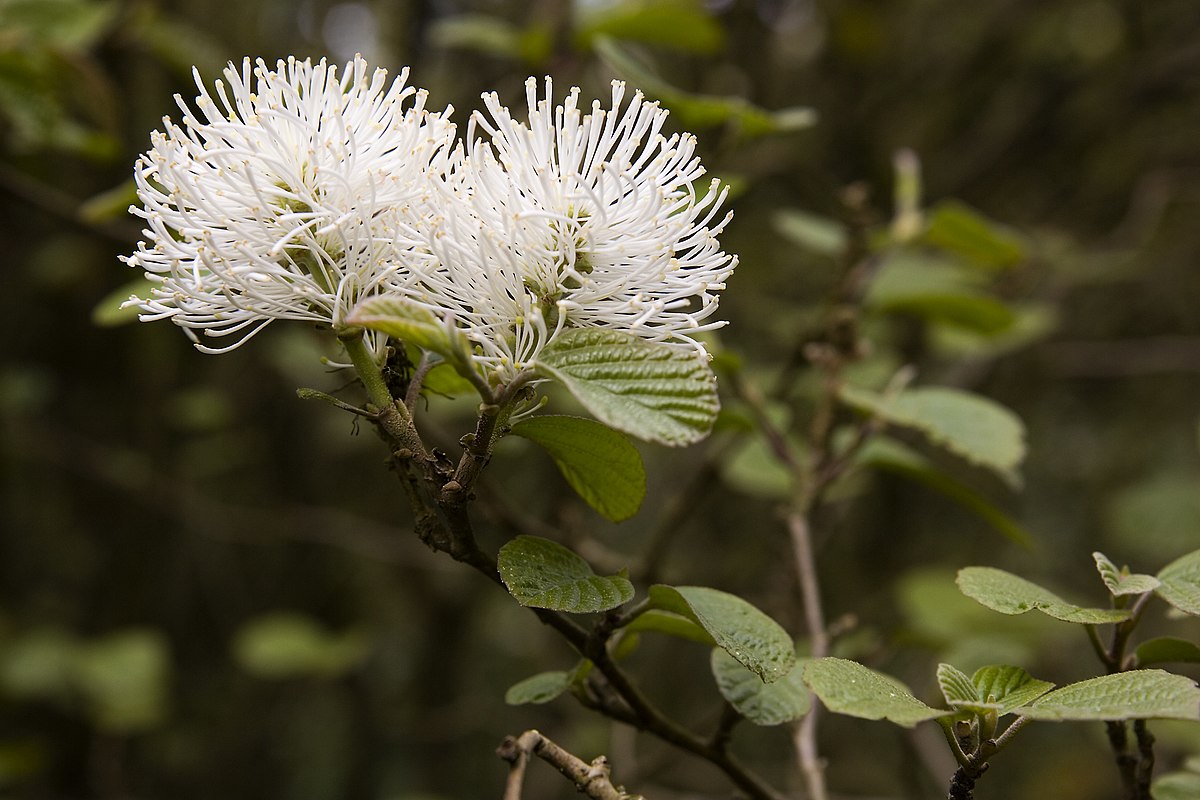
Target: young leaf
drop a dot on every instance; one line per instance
(1137, 694)
(973, 427)
(1120, 582)
(540, 688)
(762, 703)
(1010, 687)
(819, 235)
(1181, 583)
(600, 464)
(937, 289)
(670, 624)
(413, 324)
(747, 634)
(1168, 650)
(1009, 594)
(657, 392)
(544, 574)
(847, 687)
(679, 24)
(956, 687)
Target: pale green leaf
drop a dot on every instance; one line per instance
(413, 324)
(847, 687)
(936, 289)
(286, 645)
(973, 427)
(1120, 582)
(819, 235)
(540, 688)
(1137, 694)
(1181, 583)
(762, 703)
(665, 622)
(1010, 594)
(750, 636)
(657, 392)
(956, 227)
(482, 33)
(111, 311)
(543, 574)
(600, 464)
(123, 680)
(887, 454)
(1167, 650)
(1008, 687)
(698, 110)
(1176, 786)
(679, 24)
(956, 686)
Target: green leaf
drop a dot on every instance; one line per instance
(111, 311)
(1176, 786)
(123, 680)
(679, 24)
(956, 227)
(847, 687)
(1181, 583)
(819, 235)
(762, 703)
(600, 464)
(936, 289)
(540, 688)
(957, 687)
(657, 392)
(1168, 650)
(699, 110)
(1010, 687)
(1137, 694)
(544, 574)
(284, 645)
(889, 455)
(670, 624)
(973, 427)
(1009, 594)
(1120, 582)
(747, 634)
(414, 324)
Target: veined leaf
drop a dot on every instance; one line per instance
(414, 324)
(600, 464)
(747, 634)
(540, 688)
(1181, 583)
(847, 687)
(544, 574)
(654, 391)
(1120, 582)
(973, 427)
(1010, 687)
(762, 703)
(956, 686)
(1137, 694)
(1010, 594)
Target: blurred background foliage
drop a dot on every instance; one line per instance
(209, 588)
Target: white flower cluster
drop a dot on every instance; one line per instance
(296, 192)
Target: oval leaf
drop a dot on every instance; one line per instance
(671, 624)
(1137, 694)
(600, 464)
(540, 688)
(1119, 581)
(847, 687)
(1009, 687)
(544, 574)
(762, 703)
(973, 427)
(1181, 583)
(285, 645)
(414, 324)
(747, 634)
(1009, 594)
(657, 392)
(956, 687)
(1168, 650)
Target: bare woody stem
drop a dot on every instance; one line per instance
(591, 779)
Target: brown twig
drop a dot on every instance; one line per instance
(592, 779)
